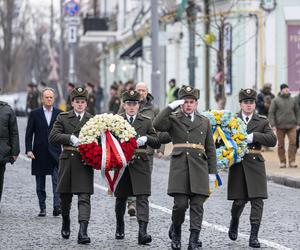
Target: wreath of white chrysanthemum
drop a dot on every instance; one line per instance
(99, 124)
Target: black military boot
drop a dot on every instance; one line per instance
(83, 238)
(253, 241)
(175, 236)
(143, 237)
(194, 243)
(233, 229)
(65, 229)
(120, 229)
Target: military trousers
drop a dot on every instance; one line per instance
(2, 170)
(142, 207)
(181, 204)
(84, 205)
(256, 212)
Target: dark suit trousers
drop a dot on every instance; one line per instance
(41, 189)
(84, 205)
(2, 170)
(142, 207)
(181, 204)
(256, 212)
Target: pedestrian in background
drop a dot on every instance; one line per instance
(44, 155)
(91, 102)
(193, 162)
(297, 99)
(247, 179)
(172, 93)
(9, 140)
(264, 99)
(73, 176)
(136, 179)
(32, 101)
(114, 102)
(284, 116)
(70, 87)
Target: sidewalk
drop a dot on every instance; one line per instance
(287, 176)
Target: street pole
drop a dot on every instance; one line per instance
(207, 55)
(61, 45)
(156, 87)
(72, 76)
(191, 12)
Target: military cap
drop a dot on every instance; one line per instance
(188, 91)
(79, 92)
(90, 85)
(114, 86)
(283, 86)
(72, 85)
(131, 95)
(247, 94)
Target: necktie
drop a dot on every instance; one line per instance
(190, 117)
(79, 117)
(131, 120)
(247, 119)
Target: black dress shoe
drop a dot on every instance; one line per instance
(56, 211)
(83, 237)
(42, 213)
(65, 229)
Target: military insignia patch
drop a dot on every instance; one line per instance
(248, 91)
(131, 92)
(80, 89)
(188, 88)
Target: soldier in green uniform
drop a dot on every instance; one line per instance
(114, 102)
(73, 176)
(32, 101)
(136, 179)
(91, 102)
(193, 162)
(247, 180)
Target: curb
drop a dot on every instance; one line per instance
(278, 179)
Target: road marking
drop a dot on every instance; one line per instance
(216, 227)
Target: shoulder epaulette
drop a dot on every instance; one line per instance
(147, 117)
(63, 113)
(262, 116)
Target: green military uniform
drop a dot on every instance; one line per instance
(114, 104)
(32, 101)
(247, 180)
(73, 177)
(91, 103)
(192, 160)
(136, 179)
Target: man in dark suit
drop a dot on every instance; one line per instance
(74, 177)
(247, 179)
(44, 155)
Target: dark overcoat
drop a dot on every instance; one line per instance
(36, 140)
(136, 179)
(247, 179)
(189, 167)
(73, 176)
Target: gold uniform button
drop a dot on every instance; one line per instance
(187, 142)
(187, 132)
(72, 154)
(187, 153)
(253, 158)
(139, 157)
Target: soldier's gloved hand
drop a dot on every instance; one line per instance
(175, 104)
(141, 141)
(74, 141)
(250, 138)
(212, 178)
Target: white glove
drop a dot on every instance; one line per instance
(250, 138)
(212, 178)
(175, 104)
(74, 141)
(141, 141)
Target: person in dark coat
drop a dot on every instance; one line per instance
(264, 99)
(247, 179)
(136, 179)
(114, 102)
(91, 102)
(193, 162)
(70, 87)
(44, 155)
(32, 101)
(9, 139)
(73, 176)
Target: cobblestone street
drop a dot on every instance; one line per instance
(21, 228)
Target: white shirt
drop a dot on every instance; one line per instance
(48, 114)
(192, 116)
(81, 115)
(244, 117)
(128, 117)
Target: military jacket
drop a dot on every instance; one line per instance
(73, 175)
(247, 179)
(136, 179)
(189, 167)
